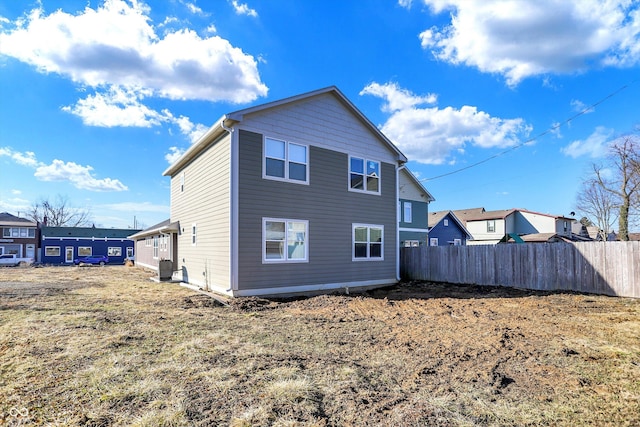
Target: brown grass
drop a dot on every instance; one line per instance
(106, 346)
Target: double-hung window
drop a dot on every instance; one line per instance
(286, 161)
(364, 175)
(285, 240)
(368, 242)
(491, 226)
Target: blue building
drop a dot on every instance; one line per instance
(61, 245)
(413, 209)
(446, 229)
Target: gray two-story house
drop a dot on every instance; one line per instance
(296, 195)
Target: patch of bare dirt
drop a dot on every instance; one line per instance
(107, 346)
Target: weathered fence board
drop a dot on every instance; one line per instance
(608, 268)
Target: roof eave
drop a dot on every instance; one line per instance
(214, 132)
(169, 228)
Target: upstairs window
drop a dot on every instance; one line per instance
(19, 232)
(364, 175)
(286, 161)
(446, 222)
(491, 226)
(407, 212)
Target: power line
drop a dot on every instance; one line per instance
(549, 130)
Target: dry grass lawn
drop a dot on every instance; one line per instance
(96, 346)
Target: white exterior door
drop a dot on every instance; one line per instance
(31, 251)
(68, 254)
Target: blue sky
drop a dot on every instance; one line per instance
(97, 97)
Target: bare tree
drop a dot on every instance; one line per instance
(599, 205)
(624, 184)
(58, 213)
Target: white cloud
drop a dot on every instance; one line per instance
(116, 107)
(117, 45)
(594, 146)
(396, 97)
(193, 8)
(136, 207)
(555, 129)
(79, 176)
(174, 154)
(519, 39)
(430, 134)
(581, 107)
(191, 130)
(28, 158)
(243, 9)
(14, 204)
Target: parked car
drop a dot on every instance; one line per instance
(92, 259)
(13, 260)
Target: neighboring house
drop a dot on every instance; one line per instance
(413, 205)
(18, 236)
(61, 245)
(158, 242)
(296, 195)
(490, 227)
(446, 229)
(540, 238)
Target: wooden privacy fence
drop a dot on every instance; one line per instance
(608, 268)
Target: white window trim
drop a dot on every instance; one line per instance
(365, 191)
(114, 248)
(490, 221)
(286, 161)
(433, 240)
(457, 242)
(446, 222)
(85, 247)
(46, 248)
(286, 253)
(408, 212)
(156, 243)
(353, 242)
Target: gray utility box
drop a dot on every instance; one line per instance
(165, 269)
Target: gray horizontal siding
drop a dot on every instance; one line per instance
(330, 209)
(204, 201)
(321, 121)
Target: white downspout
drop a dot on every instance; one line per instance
(233, 207)
(398, 169)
